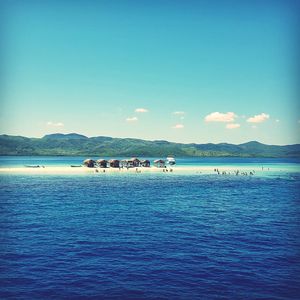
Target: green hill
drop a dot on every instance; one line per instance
(75, 144)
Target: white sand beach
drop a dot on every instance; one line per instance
(57, 170)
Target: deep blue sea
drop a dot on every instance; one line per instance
(151, 236)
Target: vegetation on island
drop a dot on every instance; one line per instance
(80, 145)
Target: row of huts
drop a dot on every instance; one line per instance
(124, 163)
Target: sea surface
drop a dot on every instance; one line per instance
(291, 164)
(150, 235)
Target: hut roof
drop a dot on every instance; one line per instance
(159, 161)
(113, 160)
(88, 160)
(145, 160)
(134, 158)
(101, 160)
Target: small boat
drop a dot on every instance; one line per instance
(76, 166)
(171, 160)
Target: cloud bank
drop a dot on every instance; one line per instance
(220, 117)
(141, 110)
(258, 118)
(178, 126)
(53, 124)
(133, 119)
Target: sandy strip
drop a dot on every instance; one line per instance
(85, 170)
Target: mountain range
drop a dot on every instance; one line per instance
(74, 144)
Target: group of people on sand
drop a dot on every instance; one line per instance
(235, 172)
(137, 170)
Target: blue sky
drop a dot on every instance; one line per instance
(199, 71)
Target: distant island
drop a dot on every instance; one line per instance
(79, 145)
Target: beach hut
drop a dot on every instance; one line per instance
(159, 163)
(130, 163)
(124, 163)
(114, 163)
(134, 161)
(102, 163)
(145, 163)
(90, 163)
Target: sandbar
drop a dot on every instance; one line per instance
(224, 170)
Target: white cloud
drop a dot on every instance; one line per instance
(53, 124)
(141, 110)
(259, 118)
(277, 121)
(178, 126)
(220, 117)
(133, 119)
(232, 126)
(179, 113)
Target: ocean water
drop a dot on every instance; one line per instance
(290, 164)
(150, 236)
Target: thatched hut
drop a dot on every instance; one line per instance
(145, 163)
(102, 163)
(124, 163)
(90, 163)
(130, 163)
(159, 163)
(114, 163)
(134, 161)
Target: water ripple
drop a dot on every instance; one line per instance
(149, 237)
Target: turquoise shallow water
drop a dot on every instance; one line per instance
(150, 236)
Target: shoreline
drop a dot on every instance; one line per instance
(68, 170)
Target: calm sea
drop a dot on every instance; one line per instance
(150, 236)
